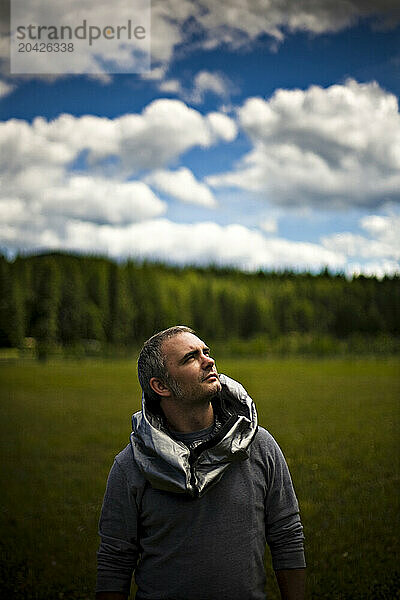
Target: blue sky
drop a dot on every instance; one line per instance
(265, 138)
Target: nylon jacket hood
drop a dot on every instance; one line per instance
(169, 465)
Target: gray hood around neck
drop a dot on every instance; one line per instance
(169, 465)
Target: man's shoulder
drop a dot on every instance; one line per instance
(126, 463)
(264, 437)
(125, 458)
(265, 443)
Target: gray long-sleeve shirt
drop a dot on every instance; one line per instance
(203, 548)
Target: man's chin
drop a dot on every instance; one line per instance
(215, 385)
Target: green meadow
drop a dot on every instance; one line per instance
(337, 422)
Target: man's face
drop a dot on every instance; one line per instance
(190, 367)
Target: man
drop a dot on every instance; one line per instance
(192, 501)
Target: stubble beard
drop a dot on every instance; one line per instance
(181, 395)
(174, 386)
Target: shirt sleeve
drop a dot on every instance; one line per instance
(284, 530)
(118, 551)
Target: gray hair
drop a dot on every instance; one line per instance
(151, 363)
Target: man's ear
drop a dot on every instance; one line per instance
(159, 387)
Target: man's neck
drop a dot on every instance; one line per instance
(186, 421)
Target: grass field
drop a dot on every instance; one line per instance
(336, 420)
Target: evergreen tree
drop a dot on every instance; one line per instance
(96, 314)
(71, 306)
(45, 311)
(120, 310)
(12, 307)
(17, 319)
(5, 278)
(60, 298)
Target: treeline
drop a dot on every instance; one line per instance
(60, 301)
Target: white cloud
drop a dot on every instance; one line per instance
(40, 217)
(329, 147)
(384, 227)
(5, 88)
(352, 244)
(231, 22)
(12, 210)
(269, 225)
(167, 20)
(237, 23)
(36, 159)
(101, 200)
(164, 130)
(170, 86)
(200, 243)
(377, 255)
(23, 145)
(204, 82)
(383, 241)
(103, 78)
(374, 268)
(222, 127)
(80, 169)
(182, 184)
(155, 74)
(119, 53)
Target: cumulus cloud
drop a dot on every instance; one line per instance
(101, 200)
(230, 22)
(321, 147)
(182, 185)
(241, 21)
(383, 241)
(170, 86)
(222, 127)
(43, 151)
(164, 130)
(377, 269)
(86, 198)
(203, 83)
(5, 88)
(55, 174)
(236, 23)
(81, 169)
(12, 210)
(269, 225)
(200, 243)
(155, 74)
(118, 52)
(206, 82)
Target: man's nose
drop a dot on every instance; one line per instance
(208, 361)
